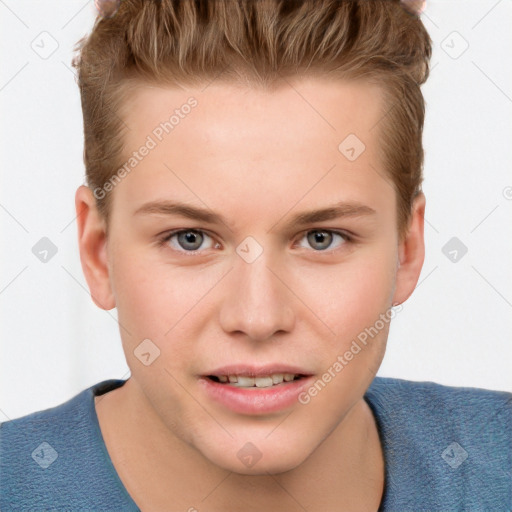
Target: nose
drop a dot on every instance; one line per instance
(257, 300)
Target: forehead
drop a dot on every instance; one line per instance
(227, 112)
(225, 139)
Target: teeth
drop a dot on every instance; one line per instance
(277, 378)
(259, 382)
(244, 382)
(263, 382)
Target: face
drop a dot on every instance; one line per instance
(256, 286)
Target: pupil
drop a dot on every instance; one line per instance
(190, 237)
(321, 237)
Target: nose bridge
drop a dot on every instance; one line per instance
(257, 303)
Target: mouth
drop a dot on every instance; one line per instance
(255, 390)
(261, 381)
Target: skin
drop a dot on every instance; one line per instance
(257, 158)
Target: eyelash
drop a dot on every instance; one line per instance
(346, 237)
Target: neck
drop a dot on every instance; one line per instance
(161, 472)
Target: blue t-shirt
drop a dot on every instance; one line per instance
(445, 448)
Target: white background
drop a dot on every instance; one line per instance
(455, 329)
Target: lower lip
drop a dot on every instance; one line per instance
(256, 400)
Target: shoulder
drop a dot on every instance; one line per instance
(430, 399)
(56, 458)
(446, 447)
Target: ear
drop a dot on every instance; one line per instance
(411, 253)
(92, 243)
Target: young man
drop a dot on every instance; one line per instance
(254, 212)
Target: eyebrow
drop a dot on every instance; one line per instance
(336, 211)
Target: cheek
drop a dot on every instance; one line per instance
(358, 309)
(141, 292)
(353, 295)
(158, 301)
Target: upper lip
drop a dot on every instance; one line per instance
(246, 370)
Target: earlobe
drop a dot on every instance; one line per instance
(92, 243)
(411, 253)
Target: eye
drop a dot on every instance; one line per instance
(186, 240)
(191, 240)
(322, 238)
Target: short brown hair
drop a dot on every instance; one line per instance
(192, 42)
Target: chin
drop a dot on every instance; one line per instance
(261, 468)
(249, 460)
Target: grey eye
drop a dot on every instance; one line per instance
(190, 240)
(322, 238)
